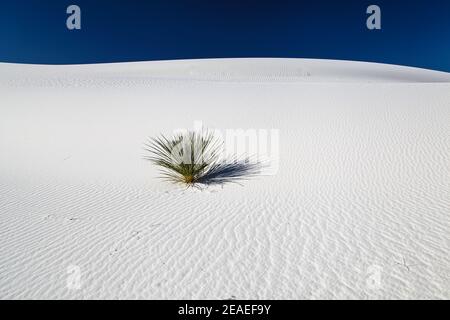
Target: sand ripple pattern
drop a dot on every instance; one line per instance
(359, 208)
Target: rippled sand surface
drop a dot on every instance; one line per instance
(359, 207)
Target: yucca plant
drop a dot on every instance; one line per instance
(186, 157)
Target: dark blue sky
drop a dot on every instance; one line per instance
(415, 33)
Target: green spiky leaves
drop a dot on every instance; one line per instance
(185, 157)
(195, 158)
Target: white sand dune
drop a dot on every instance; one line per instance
(359, 207)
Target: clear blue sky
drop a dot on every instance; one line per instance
(414, 33)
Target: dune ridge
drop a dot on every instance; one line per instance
(237, 70)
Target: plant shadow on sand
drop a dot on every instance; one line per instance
(232, 172)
